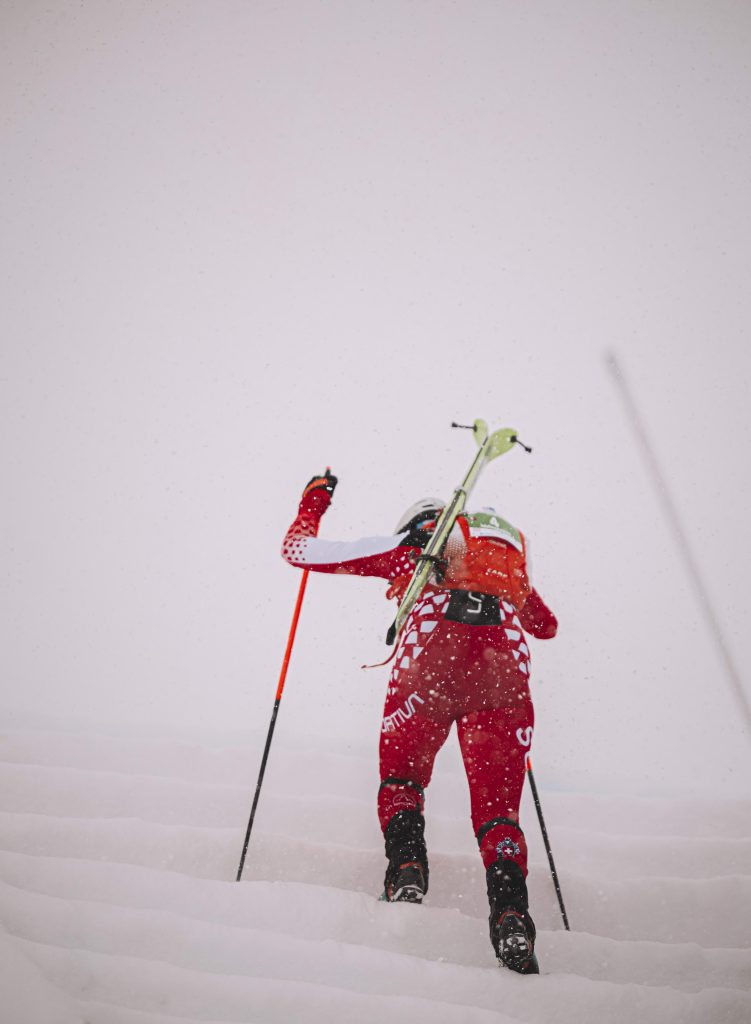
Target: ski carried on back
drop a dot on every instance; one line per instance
(490, 446)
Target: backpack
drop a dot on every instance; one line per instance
(493, 559)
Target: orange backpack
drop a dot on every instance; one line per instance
(493, 561)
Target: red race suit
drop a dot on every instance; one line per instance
(461, 657)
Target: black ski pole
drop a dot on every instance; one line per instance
(545, 839)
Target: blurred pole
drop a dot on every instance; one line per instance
(681, 538)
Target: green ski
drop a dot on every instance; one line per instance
(490, 446)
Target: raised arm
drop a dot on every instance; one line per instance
(385, 557)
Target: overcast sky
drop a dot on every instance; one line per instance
(246, 240)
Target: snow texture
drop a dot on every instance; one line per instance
(119, 905)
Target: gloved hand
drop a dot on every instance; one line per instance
(326, 482)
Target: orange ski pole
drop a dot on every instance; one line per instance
(275, 712)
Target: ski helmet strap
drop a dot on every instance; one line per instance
(484, 829)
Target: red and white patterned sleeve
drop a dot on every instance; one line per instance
(384, 557)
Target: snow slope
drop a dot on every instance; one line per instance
(118, 902)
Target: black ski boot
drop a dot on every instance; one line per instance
(512, 930)
(406, 878)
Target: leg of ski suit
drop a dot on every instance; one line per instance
(447, 672)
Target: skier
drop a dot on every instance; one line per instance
(461, 657)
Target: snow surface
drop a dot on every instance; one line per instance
(119, 906)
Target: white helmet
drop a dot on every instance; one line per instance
(421, 509)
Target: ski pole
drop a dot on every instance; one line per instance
(277, 701)
(545, 839)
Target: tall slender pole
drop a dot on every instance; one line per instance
(671, 513)
(274, 713)
(545, 840)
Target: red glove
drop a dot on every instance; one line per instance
(536, 618)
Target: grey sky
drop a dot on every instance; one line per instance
(242, 241)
